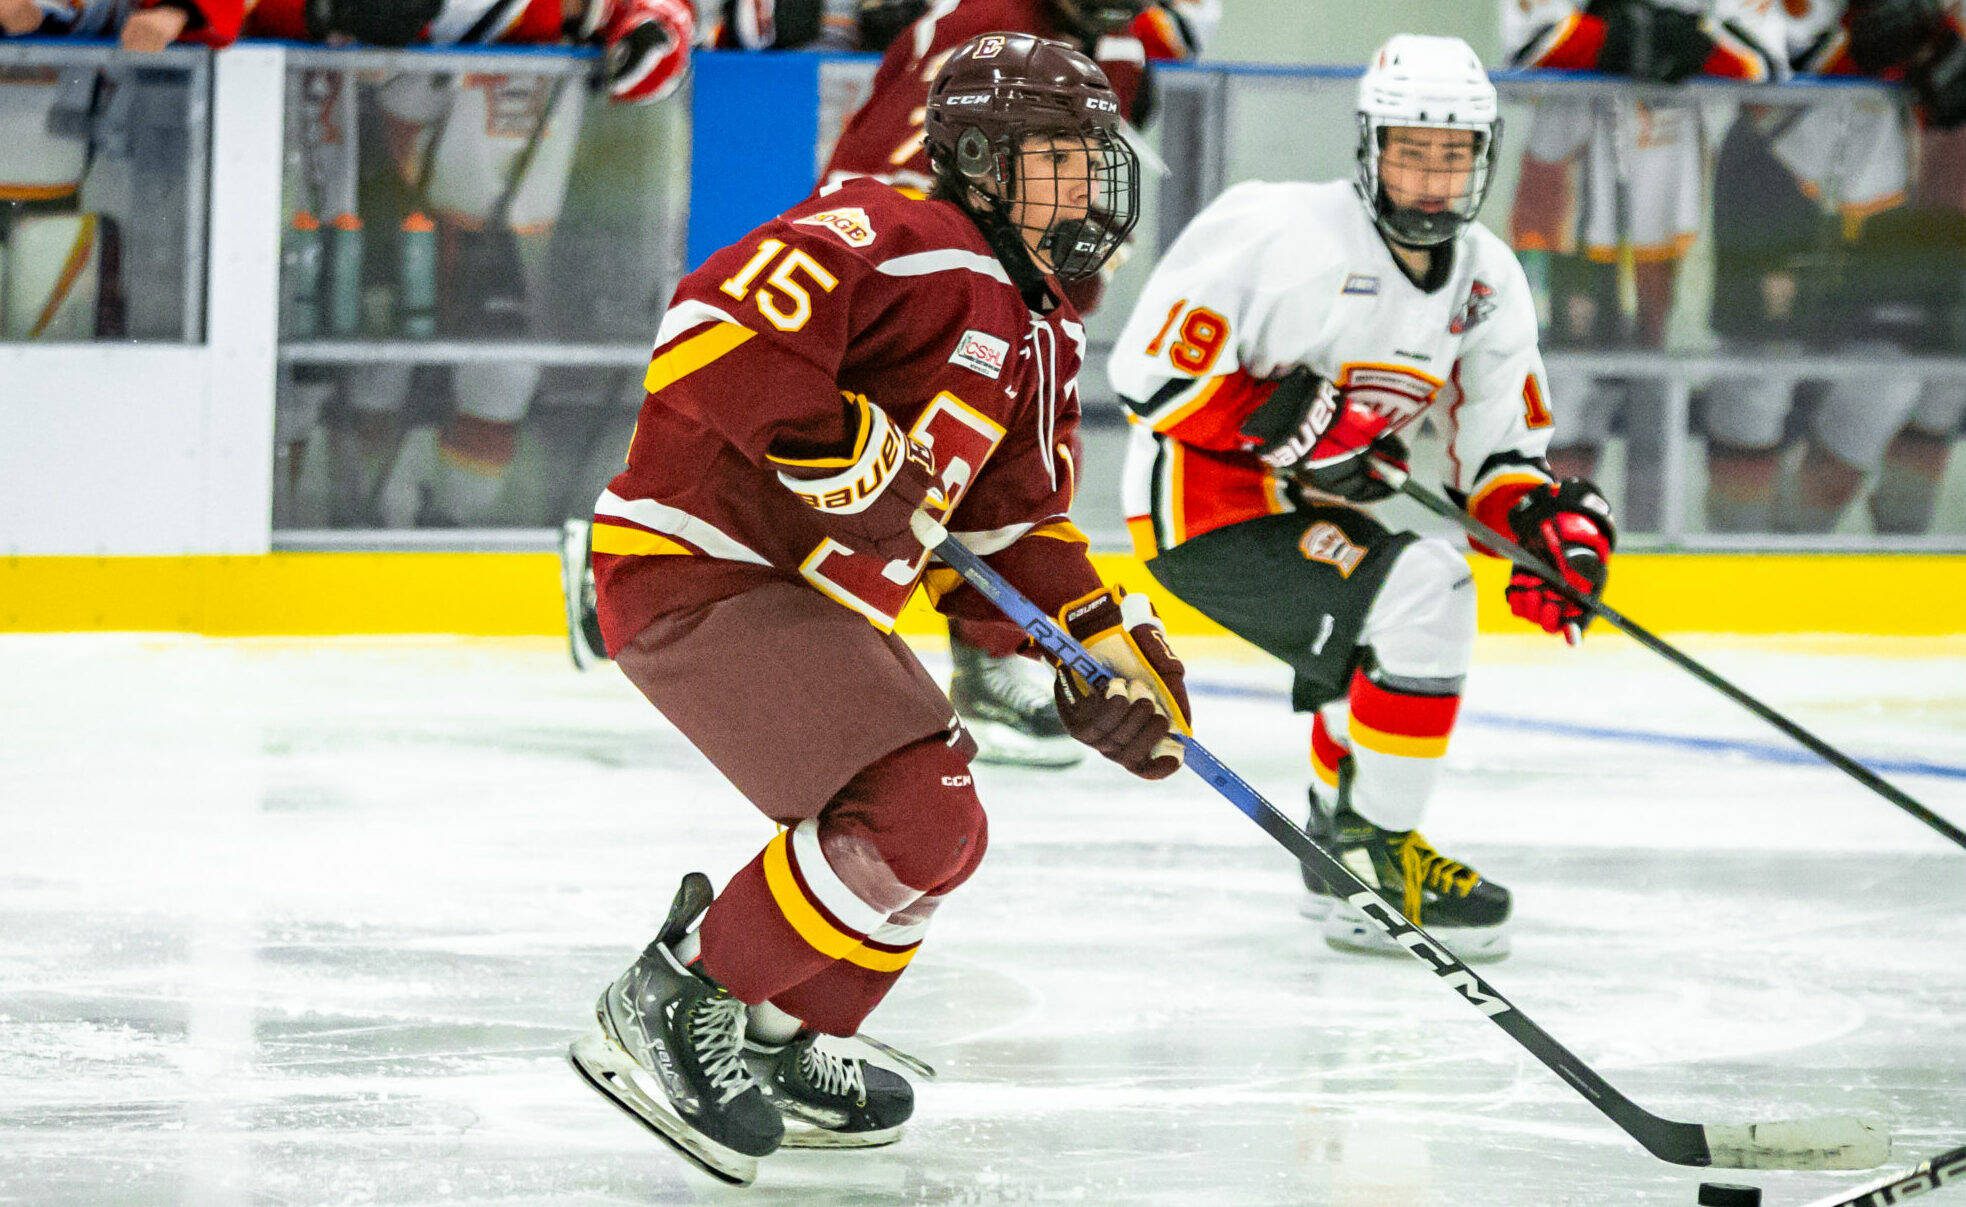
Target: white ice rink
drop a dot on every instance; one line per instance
(313, 922)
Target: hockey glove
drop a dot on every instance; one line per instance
(871, 491)
(1941, 83)
(1568, 525)
(1309, 430)
(647, 47)
(1648, 41)
(1890, 33)
(1145, 704)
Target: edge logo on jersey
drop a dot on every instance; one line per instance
(1480, 304)
(851, 224)
(982, 353)
(1362, 283)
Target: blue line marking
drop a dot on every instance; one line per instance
(1766, 752)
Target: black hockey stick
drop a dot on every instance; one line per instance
(1946, 1169)
(1481, 532)
(1829, 1143)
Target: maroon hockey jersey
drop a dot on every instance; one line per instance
(860, 297)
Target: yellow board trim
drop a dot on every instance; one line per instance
(693, 354)
(1395, 743)
(518, 594)
(633, 542)
(824, 937)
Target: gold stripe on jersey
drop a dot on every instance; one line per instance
(1141, 529)
(634, 542)
(1169, 420)
(1645, 253)
(1060, 530)
(1497, 481)
(694, 353)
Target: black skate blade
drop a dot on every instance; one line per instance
(601, 1066)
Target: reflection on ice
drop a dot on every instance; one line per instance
(313, 923)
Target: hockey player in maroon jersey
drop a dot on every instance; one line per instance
(861, 357)
(1007, 710)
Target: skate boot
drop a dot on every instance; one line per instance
(577, 589)
(829, 1100)
(670, 1051)
(1319, 899)
(1007, 707)
(1453, 902)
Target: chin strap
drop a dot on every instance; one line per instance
(1016, 259)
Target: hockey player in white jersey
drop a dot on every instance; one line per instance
(1290, 333)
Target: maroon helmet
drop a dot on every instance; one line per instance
(1025, 133)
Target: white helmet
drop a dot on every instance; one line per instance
(1419, 80)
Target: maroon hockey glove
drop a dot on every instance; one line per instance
(871, 488)
(1567, 524)
(647, 47)
(1146, 703)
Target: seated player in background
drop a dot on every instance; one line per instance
(486, 159)
(60, 260)
(1287, 336)
(857, 359)
(1001, 697)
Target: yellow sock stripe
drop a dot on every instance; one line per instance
(1060, 530)
(1381, 742)
(880, 961)
(811, 926)
(614, 538)
(1141, 529)
(1327, 775)
(692, 354)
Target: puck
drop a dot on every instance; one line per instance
(1726, 1194)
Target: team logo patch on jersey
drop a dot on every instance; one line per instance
(1480, 304)
(850, 224)
(1325, 542)
(982, 353)
(1362, 282)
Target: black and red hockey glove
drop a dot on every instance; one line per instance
(1568, 525)
(1309, 430)
(1133, 721)
(647, 44)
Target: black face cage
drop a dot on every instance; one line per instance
(1099, 16)
(1417, 227)
(1069, 246)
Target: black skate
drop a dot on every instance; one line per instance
(1319, 900)
(577, 589)
(1467, 913)
(1006, 705)
(670, 1051)
(829, 1100)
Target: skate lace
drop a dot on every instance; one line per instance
(1426, 868)
(716, 1031)
(839, 1076)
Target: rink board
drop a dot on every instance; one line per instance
(517, 594)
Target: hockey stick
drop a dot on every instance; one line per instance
(1402, 482)
(1946, 1169)
(1828, 1143)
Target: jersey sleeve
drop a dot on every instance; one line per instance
(1213, 329)
(1177, 30)
(213, 23)
(752, 346)
(1500, 424)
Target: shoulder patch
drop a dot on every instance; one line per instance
(1480, 304)
(1360, 282)
(851, 224)
(981, 352)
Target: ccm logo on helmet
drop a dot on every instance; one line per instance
(1101, 104)
(973, 98)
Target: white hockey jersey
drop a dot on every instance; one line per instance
(1274, 277)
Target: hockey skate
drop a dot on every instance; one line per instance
(829, 1100)
(577, 591)
(1318, 900)
(670, 1052)
(1006, 705)
(1454, 903)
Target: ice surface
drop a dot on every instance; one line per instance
(313, 922)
